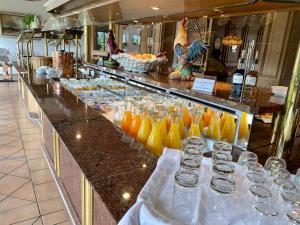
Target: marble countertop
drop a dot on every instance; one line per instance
(112, 167)
(263, 101)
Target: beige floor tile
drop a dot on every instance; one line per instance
(10, 184)
(19, 156)
(32, 145)
(38, 221)
(22, 171)
(4, 139)
(37, 164)
(11, 203)
(31, 137)
(18, 143)
(14, 133)
(2, 196)
(26, 192)
(28, 222)
(6, 151)
(26, 125)
(46, 191)
(65, 223)
(41, 176)
(6, 166)
(30, 131)
(34, 154)
(55, 218)
(10, 148)
(19, 214)
(51, 205)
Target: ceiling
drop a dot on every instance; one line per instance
(127, 11)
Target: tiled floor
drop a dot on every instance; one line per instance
(28, 194)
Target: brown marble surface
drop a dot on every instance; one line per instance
(263, 101)
(112, 167)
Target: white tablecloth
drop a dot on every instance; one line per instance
(153, 205)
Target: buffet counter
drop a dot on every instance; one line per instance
(101, 175)
(262, 102)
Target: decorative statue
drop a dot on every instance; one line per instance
(112, 48)
(187, 55)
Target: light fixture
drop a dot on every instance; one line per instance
(232, 40)
(136, 21)
(78, 136)
(144, 165)
(205, 16)
(154, 8)
(126, 195)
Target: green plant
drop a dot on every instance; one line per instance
(27, 20)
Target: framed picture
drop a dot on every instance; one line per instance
(11, 25)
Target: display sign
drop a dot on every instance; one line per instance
(204, 84)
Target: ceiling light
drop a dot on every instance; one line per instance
(154, 8)
(78, 136)
(136, 21)
(205, 16)
(126, 195)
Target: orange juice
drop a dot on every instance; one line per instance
(207, 117)
(223, 119)
(214, 127)
(173, 138)
(228, 129)
(144, 131)
(154, 143)
(135, 125)
(186, 117)
(163, 129)
(126, 121)
(194, 130)
(201, 124)
(244, 129)
(181, 125)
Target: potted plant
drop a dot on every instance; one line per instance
(27, 20)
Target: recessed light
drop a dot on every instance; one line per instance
(154, 8)
(217, 10)
(136, 21)
(126, 195)
(205, 16)
(222, 15)
(78, 136)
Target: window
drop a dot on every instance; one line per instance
(100, 39)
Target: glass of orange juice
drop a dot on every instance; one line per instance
(194, 128)
(173, 137)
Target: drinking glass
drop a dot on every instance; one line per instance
(293, 216)
(265, 214)
(274, 163)
(247, 156)
(224, 169)
(254, 167)
(280, 173)
(193, 140)
(261, 193)
(291, 199)
(194, 152)
(222, 146)
(297, 179)
(221, 156)
(189, 164)
(184, 196)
